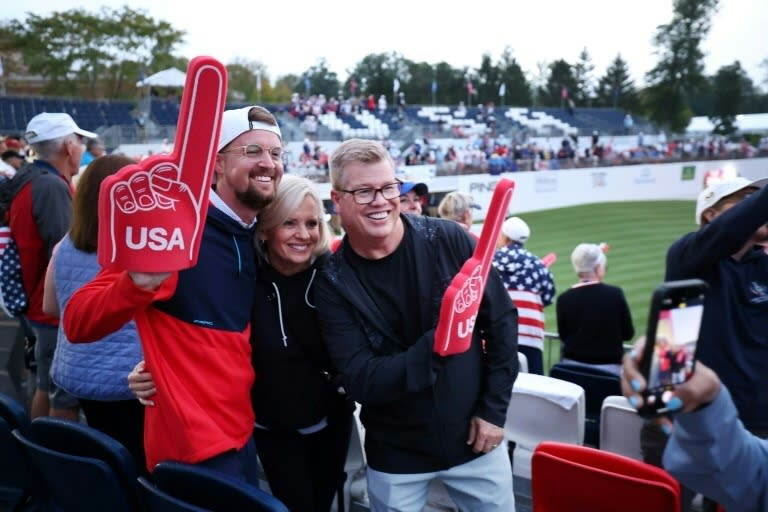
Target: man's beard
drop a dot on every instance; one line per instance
(254, 199)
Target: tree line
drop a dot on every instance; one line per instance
(102, 54)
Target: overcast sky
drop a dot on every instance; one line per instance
(290, 36)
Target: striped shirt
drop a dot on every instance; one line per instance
(530, 286)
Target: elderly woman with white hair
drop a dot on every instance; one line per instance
(593, 318)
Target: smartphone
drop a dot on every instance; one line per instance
(674, 321)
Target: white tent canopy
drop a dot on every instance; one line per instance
(751, 123)
(170, 77)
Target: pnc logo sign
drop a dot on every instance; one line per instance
(155, 239)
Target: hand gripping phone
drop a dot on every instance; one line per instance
(674, 321)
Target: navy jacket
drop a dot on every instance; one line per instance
(734, 331)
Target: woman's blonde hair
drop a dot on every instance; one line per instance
(290, 194)
(455, 206)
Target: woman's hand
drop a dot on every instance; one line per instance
(632, 381)
(141, 384)
(700, 389)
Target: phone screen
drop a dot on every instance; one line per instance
(672, 360)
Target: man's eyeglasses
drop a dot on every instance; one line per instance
(368, 195)
(257, 151)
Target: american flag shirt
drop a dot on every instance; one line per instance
(530, 286)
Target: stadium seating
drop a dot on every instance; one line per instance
(597, 385)
(620, 427)
(98, 115)
(210, 490)
(15, 484)
(354, 488)
(542, 409)
(568, 477)
(79, 467)
(155, 500)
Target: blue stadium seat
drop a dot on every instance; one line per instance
(15, 484)
(79, 467)
(212, 490)
(155, 500)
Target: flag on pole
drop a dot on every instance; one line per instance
(306, 83)
(1, 68)
(564, 93)
(470, 87)
(353, 86)
(434, 86)
(502, 89)
(258, 82)
(396, 85)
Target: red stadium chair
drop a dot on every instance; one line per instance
(567, 477)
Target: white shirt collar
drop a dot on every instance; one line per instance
(219, 203)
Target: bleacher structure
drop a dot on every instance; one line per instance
(363, 125)
(15, 112)
(123, 121)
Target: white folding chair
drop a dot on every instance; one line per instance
(620, 427)
(522, 362)
(356, 486)
(542, 408)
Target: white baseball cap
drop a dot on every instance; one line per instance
(235, 122)
(52, 125)
(720, 189)
(516, 229)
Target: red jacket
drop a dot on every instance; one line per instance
(40, 215)
(195, 332)
(200, 374)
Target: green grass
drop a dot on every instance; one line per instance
(639, 234)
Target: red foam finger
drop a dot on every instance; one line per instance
(199, 124)
(461, 300)
(139, 185)
(124, 198)
(172, 195)
(163, 177)
(549, 259)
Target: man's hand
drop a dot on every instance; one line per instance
(149, 280)
(151, 215)
(141, 385)
(484, 436)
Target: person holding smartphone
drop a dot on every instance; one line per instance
(725, 252)
(709, 450)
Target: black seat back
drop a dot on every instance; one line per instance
(597, 385)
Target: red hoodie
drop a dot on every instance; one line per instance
(195, 331)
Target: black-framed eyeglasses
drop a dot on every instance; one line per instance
(257, 151)
(368, 195)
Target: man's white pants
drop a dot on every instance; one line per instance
(480, 485)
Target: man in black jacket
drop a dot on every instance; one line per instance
(426, 417)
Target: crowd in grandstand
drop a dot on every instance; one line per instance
(456, 140)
